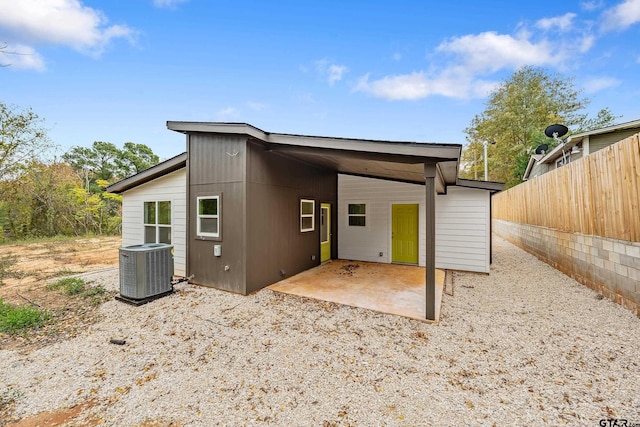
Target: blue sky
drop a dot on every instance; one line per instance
(399, 70)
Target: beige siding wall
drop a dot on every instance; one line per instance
(171, 187)
(462, 223)
(598, 142)
(538, 169)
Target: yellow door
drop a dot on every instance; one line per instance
(325, 232)
(404, 233)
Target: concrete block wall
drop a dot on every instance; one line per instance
(608, 266)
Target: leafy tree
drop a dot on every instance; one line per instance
(135, 158)
(105, 161)
(37, 202)
(23, 139)
(602, 119)
(50, 199)
(515, 117)
(99, 160)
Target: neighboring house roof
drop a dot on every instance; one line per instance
(393, 160)
(532, 161)
(168, 166)
(575, 139)
(578, 137)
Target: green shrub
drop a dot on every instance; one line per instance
(76, 286)
(97, 294)
(70, 285)
(16, 319)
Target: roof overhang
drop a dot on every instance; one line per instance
(391, 160)
(578, 137)
(171, 165)
(532, 161)
(491, 186)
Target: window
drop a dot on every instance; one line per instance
(157, 222)
(209, 216)
(357, 214)
(307, 215)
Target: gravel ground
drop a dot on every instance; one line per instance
(523, 346)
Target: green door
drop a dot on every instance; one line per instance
(325, 232)
(404, 233)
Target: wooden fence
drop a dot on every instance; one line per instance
(596, 195)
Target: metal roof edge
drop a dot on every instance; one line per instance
(576, 138)
(237, 128)
(532, 160)
(608, 129)
(491, 186)
(171, 165)
(420, 149)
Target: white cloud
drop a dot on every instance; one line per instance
(332, 72)
(336, 72)
(592, 5)
(226, 114)
(621, 16)
(586, 43)
(168, 4)
(61, 22)
(562, 23)
(454, 83)
(471, 61)
(21, 57)
(596, 84)
(490, 51)
(397, 56)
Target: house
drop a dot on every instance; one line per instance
(578, 146)
(246, 208)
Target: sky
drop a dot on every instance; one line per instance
(117, 71)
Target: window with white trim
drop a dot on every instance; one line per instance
(307, 215)
(208, 217)
(357, 213)
(157, 222)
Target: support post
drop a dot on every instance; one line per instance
(430, 172)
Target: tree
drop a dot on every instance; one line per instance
(135, 158)
(38, 202)
(23, 139)
(515, 117)
(105, 161)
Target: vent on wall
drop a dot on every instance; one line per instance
(145, 271)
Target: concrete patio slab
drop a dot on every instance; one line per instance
(388, 288)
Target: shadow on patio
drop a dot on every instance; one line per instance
(388, 288)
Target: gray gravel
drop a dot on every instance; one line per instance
(525, 345)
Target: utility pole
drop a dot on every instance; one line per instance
(486, 168)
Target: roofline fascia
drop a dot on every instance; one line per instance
(491, 186)
(527, 171)
(443, 151)
(171, 165)
(608, 129)
(578, 137)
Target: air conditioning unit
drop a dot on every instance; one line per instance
(146, 272)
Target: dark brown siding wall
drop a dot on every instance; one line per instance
(217, 167)
(275, 185)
